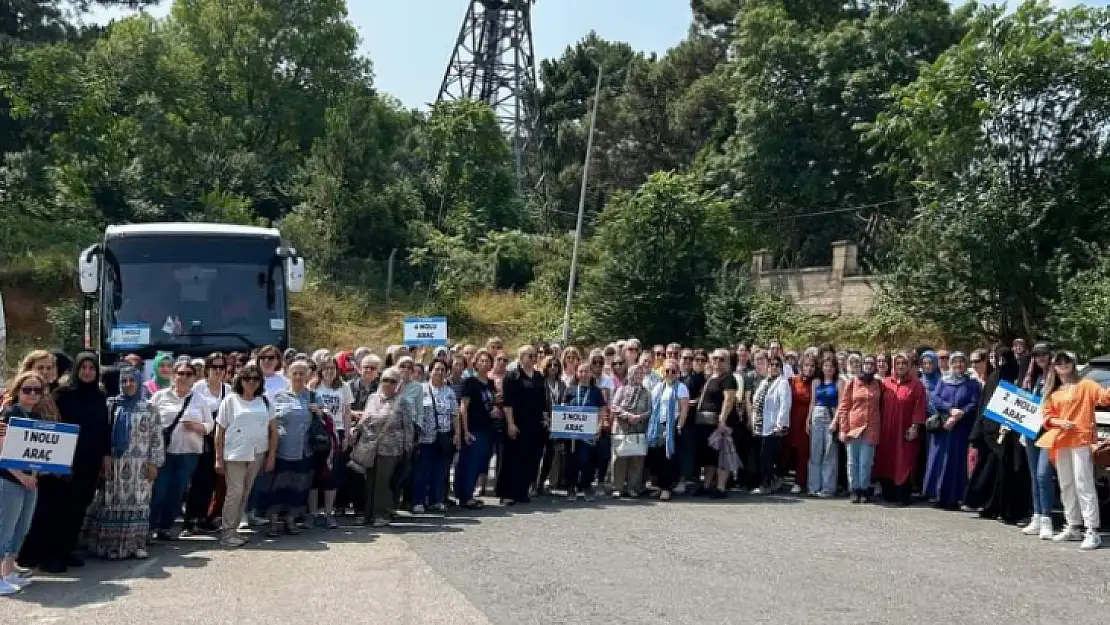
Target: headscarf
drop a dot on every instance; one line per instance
(161, 382)
(867, 376)
(930, 380)
(124, 405)
(344, 363)
(951, 377)
(63, 364)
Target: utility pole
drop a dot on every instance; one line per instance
(581, 210)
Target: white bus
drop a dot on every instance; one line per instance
(187, 288)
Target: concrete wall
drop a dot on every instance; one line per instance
(834, 290)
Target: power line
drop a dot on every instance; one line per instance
(833, 211)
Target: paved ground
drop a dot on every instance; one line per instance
(744, 560)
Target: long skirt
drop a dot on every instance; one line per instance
(284, 491)
(946, 472)
(980, 485)
(118, 521)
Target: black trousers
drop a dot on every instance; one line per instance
(201, 488)
(769, 449)
(59, 516)
(520, 460)
(663, 468)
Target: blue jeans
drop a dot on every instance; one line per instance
(1041, 472)
(473, 461)
(17, 506)
(861, 455)
(169, 489)
(427, 479)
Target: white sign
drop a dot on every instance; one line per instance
(43, 446)
(425, 330)
(574, 422)
(1016, 409)
(129, 336)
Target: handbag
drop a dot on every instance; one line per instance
(630, 445)
(319, 439)
(705, 417)
(363, 453)
(445, 441)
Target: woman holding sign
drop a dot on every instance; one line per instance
(18, 489)
(1069, 423)
(62, 504)
(580, 457)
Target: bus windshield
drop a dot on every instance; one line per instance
(204, 292)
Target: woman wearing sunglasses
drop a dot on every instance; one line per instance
(18, 489)
(246, 443)
(670, 403)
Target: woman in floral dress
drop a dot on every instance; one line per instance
(118, 525)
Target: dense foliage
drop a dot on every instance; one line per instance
(964, 149)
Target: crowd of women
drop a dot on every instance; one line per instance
(282, 442)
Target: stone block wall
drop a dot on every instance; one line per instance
(834, 290)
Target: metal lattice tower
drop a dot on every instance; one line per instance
(494, 62)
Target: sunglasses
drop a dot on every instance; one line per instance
(184, 374)
(976, 361)
(252, 378)
(388, 381)
(618, 363)
(597, 362)
(268, 358)
(670, 371)
(31, 390)
(218, 366)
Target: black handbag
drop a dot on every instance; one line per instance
(445, 441)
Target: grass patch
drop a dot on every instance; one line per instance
(344, 319)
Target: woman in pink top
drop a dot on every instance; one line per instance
(858, 421)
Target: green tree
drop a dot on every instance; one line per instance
(1005, 136)
(806, 73)
(655, 248)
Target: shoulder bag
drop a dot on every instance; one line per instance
(445, 441)
(631, 445)
(167, 432)
(705, 417)
(319, 439)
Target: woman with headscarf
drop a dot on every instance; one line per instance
(118, 525)
(956, 400)
(930, 376)
(902, 413)
(62, 503)
(999, 486)
(163, 373)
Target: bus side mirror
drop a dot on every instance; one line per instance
(294, 274)
(88, 270)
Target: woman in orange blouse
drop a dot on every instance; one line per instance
(1069, 424)
(858, 421)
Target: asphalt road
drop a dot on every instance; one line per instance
(743, 560)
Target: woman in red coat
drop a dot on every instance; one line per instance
(903, 421)
(796, 449)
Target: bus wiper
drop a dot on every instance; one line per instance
(217, 335)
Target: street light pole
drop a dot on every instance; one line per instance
(581, 211)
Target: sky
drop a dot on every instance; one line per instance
(410, 42)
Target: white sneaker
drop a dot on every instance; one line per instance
(17, 581)
(679, 489)
(759, 491)
(1091, 540)
(797, 490)
(1068, 534)
(141, 554)
(1046, 528)
(418, 509)
(8, 589)
(1034, 526)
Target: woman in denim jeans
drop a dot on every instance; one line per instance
(18, 489)
(1041, 471)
